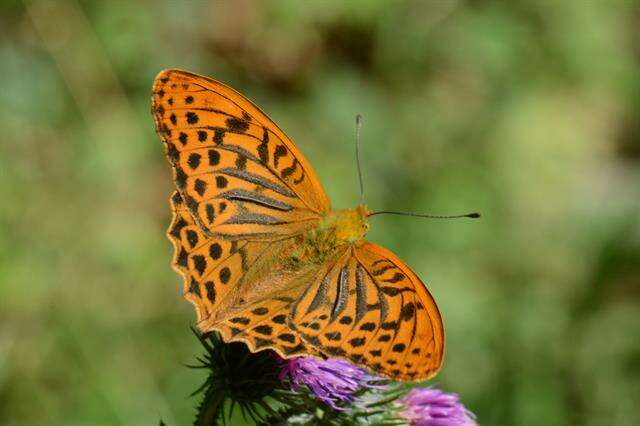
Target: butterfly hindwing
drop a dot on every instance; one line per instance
(264, 325)
(239, 175)
(371, 308)
(202, 261)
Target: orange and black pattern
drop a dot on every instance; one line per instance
(249, 214)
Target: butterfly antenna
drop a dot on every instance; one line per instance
(429, 216)
(358, 127)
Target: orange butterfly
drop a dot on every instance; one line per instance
(265, 259)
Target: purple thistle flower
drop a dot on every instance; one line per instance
(332, 381)
(433, 407)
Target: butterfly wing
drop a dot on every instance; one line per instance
(371, 308)
(210, 266)
(243, 191)
(239, 175)
(213, 269)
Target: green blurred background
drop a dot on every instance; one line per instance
(525, 111)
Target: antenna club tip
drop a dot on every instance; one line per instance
(474, 215)
(358, 118)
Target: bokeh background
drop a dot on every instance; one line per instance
(526, 111)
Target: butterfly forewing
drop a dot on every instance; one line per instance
(239, 175)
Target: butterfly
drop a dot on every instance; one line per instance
(265, 259)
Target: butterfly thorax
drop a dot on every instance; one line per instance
(336, 230)
(345, 226)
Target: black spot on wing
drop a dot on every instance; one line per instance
(218, 136)
(389, 325)
(357, 342)
(200, 263)
(200, 187)
(192, 117)
(210, 213)
(192, 237)
(183, 258)
(194, 288)
(215, 251)
(183, 138)
(280, 151)
(368, 326)
(279, 319)
(407, 312)
(214, 157)
(334, 335)
(221, 182)
(346, 320)
(225, 275)
(263, 148)
(236, 124)
(263, 329)
(398, 347)
(260, 311)
(287, 337)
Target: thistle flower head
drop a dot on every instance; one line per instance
(433, 407)
(332, 381)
